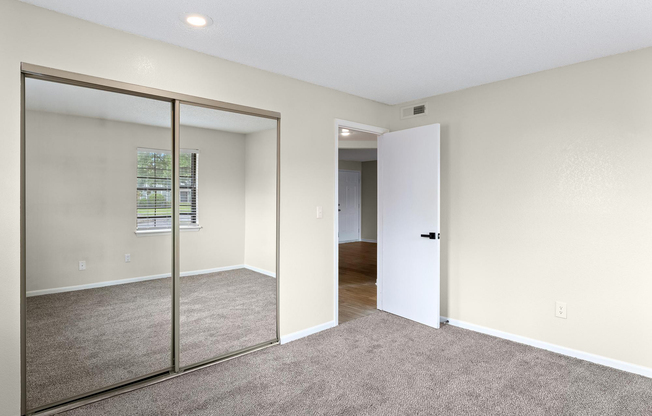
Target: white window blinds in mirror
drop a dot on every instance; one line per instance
(154, 190)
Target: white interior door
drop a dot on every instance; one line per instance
(409, 208)
(349, 205)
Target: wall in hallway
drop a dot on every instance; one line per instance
(369, 200)
(349, 165)
(369, 197)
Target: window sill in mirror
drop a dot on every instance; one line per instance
(149, 232)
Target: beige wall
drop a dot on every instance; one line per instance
(80, 193)
(369, 200)
(220, 203)
(307, 164)
(260, 200)
(546, 196)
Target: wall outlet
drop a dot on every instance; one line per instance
(82, 265)
(560, 310)
(320, 212)
(127, 258)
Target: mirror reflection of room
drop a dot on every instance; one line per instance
(99, 171)
(228, 249)
(98, 305)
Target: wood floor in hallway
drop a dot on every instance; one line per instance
(357, 288)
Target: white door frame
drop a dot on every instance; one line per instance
(367, 129)
(358, 208)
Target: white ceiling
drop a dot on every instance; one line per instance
(86, 102)
(390, 51)
(358, 155)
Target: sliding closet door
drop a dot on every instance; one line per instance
(98, 247)
(227, 222)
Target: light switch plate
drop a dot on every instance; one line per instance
(320, 213)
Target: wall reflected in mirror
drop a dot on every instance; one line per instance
(228, 232)
(98, 293)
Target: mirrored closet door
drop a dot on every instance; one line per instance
(98, 292)
(149, 235)
(228, 186)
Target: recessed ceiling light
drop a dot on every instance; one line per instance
(345, 130)
(345, 133)
(197, 20)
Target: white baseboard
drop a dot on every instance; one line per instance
(308, 331)
(259, 270)
(125, 281)
(215, 270)
(366, 240)
(597, 359)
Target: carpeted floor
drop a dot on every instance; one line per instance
(385, 365)
(88, 339)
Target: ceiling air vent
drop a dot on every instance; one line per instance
(414, 110)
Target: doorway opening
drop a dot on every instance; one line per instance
(357, 221)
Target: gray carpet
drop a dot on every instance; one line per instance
(89, 339)
(385, 365)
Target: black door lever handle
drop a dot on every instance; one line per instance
(432, 236)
